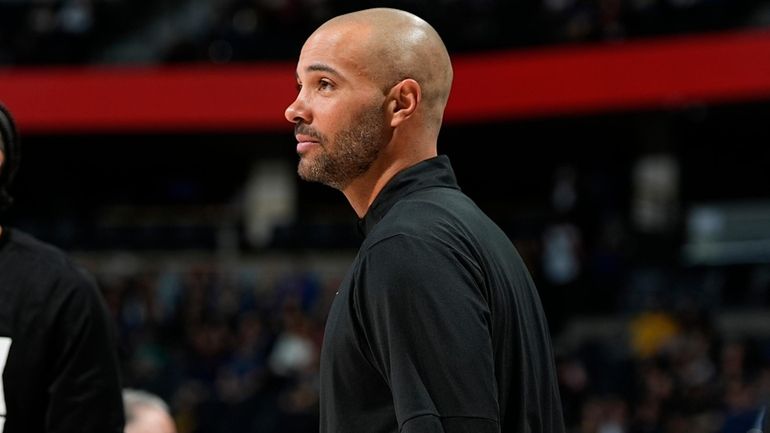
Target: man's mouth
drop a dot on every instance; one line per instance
(305, 143)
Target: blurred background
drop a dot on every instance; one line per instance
(623, 145)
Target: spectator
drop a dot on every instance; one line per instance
(146, 413)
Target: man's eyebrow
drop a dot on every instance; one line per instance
(320, 67)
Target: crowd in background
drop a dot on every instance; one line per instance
(141, 31)
(234, 348)
(232, 344)
(230, 350)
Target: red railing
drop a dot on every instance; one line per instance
(645, 74)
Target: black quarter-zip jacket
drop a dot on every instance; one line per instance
(437, 326)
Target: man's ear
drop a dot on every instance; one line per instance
(2, 160)
(406, 97)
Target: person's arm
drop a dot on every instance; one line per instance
(425, 319)
(85, 387)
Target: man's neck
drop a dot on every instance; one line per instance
(362, 192)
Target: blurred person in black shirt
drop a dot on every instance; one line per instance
(57, 343)
(438, 326)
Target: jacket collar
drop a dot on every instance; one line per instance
(430, 173)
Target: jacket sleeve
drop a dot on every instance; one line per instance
(85, 387)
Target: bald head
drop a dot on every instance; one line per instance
(146, 413)
(391, 45)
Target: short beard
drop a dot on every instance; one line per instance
(354, 151)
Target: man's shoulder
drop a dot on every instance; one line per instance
(38, 260)
(440, 214)
(424, 209)
(25, 247)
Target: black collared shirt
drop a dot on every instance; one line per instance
(438, 326)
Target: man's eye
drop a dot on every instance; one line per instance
(325, 85)
(299, 87)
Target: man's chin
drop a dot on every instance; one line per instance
(307, 173)
(304, 171)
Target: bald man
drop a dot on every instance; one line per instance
(437, 327)
(146, 413)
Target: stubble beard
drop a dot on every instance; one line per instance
(354, 151)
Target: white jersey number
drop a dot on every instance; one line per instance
(5, 347)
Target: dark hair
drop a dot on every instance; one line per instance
(11, 151)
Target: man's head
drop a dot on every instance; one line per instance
(146, 413)
(370, 83)
(9, 155)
